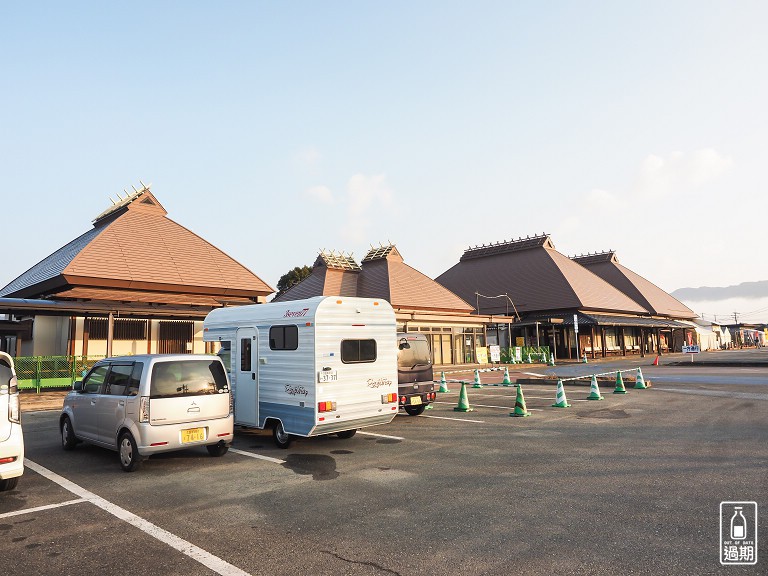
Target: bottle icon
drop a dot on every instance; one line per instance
(738, 525)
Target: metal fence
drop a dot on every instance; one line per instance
(525, 354)
(51, 372)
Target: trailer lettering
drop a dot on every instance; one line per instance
(296, 313)
(296, 390)
(379, 382)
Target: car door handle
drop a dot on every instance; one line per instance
(93, 402)
(121, 403)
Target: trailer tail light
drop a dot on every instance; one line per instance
(326, 406)
(144, 409)
(388, 398)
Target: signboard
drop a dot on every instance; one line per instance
(517, 352)
(481, 353)
(495, 353)
(576, 323)
(691, 349)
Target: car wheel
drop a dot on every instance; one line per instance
(68, 440)
(8, 484)
(217, 449)
(414, 410)
(346, 434)
(280, 436)
(130, 459)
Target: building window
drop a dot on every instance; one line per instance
(124, 329)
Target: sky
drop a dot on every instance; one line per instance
(277, 129)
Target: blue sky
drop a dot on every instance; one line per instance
(275, 129)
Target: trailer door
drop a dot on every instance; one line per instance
(247, 378)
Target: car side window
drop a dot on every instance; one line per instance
(118, 380)
(135, 380)
(95, 380)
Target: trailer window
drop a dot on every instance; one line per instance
(245, 355)
(355, 351)
(284, 337)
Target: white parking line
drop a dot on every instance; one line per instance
(381, 435)
(257, 456)
(719, 393)
(207, 559)
(40, 508)
(457, 419)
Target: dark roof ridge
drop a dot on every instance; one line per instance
(527, 243)
(607, 256)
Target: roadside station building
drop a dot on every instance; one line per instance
(587, 305)
(136, 282)
(421, 304)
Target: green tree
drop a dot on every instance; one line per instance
(291, 278)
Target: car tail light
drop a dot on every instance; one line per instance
(14, 408)
(326, 406)
(144, 409)
(388, 398)
(403, 399)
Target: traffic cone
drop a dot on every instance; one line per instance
(477, 383)
(443, 383)
(655, 362)
(639, 380)
(619, 384)
(520, 409)
(551, 360)
(527, 358)
(463, 401)
(585, 358)
(594, 391)
(506, 381)
(560, 400)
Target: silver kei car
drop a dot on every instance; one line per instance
(142, 405)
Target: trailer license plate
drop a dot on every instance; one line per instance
(415, 400)
(327, 376)
(192, 435)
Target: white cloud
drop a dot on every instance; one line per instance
(366, 196)
(679, 173)
(320, 194)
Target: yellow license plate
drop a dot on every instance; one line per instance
(415, 400)
(192, 435)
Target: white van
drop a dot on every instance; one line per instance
(142, 405)
(309, 367)
(11, 438)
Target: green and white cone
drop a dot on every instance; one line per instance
(443, 383)
(520, 409)
(619, 385)
(551, 359)
(640, 381)
(594, 390)
(560, 400)
(585, 358)
(477, 383)
(463, 400)
(506, 381)
(527, 358)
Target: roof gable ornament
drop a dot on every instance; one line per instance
(122, 203)
(507, 246)
(596, 258)
(383, 252)
(337, 260)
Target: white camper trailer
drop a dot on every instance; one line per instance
(309, 367)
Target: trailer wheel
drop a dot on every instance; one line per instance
(280, 436)
(346, 434)
(414, 410)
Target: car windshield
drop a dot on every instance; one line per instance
(413, 353)
(187, 378)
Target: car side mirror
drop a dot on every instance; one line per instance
(78, 386)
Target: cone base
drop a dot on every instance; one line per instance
(523, 415)
(636, 387)
(443, 391)
(595, 397)
(477, 385)
(457, 409)
(620, 392)
(561, 405)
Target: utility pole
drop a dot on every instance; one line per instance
(735, 317)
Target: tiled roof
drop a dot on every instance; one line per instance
(135, 246)
(536, 277)
(384, 275)
(651, 297)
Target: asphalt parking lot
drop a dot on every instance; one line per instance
(628, 485)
